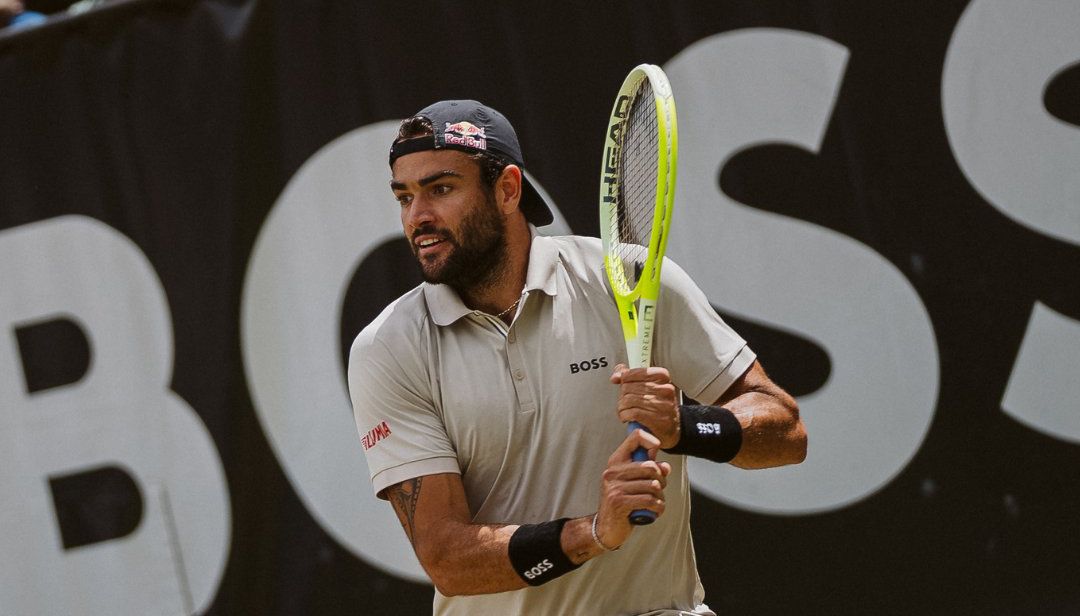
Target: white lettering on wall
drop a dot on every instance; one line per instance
(1026, 163)
(745, 88)
(121, 414)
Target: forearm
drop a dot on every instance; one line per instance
(473, 559)
(772, 433)
(754, 424)
(469, 559)
(462, 558)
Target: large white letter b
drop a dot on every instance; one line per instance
(118, 419)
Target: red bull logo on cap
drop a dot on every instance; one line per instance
(465, 134)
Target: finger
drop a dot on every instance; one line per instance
(651, 390)
(648, 403)
(639, 396)
(634, 471)
(644, 439)
(646, 485)
(652, 488)
(659, 425)
(616, 374)
(655, 374)
(631, 402)
(661, 420)
(656, 421)
(626, 495)
(636, 502)
(633, 440)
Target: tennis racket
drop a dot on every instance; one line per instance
(637, 191)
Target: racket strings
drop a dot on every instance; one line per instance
(638, 181)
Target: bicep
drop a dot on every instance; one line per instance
(425, 505)
(772, 432)
(754, 381)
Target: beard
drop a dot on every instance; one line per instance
(478, 252)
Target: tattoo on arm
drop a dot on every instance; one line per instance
(403, 497)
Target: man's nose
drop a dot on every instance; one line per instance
(419, 213)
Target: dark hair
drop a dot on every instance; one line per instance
(491, 167)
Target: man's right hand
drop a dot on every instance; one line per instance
(628, 486)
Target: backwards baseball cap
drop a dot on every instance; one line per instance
(470, 126)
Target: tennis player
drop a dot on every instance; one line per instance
(490, 399)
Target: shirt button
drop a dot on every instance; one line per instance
(518, 374)
(511, 337)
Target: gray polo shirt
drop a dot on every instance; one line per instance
(526, 415)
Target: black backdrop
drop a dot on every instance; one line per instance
(180, 123)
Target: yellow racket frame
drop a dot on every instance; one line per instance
(637, 320)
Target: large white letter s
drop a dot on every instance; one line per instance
(745, 88)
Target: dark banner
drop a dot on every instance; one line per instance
(883, 198)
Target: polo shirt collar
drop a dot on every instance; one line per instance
(543, 264)
(445, 306)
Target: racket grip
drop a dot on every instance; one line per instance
(640, 517)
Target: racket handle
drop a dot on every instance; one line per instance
(640, 517)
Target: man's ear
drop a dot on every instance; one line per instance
(508, 189)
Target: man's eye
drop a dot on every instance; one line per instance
(441, 189)
(404, 199)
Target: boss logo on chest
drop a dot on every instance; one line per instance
(588, 364)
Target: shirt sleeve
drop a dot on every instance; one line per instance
(400, 428)
(704, 355)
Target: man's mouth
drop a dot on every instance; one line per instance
(427, 244)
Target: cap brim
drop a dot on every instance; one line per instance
(533, 205)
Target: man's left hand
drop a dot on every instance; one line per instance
(647, 396)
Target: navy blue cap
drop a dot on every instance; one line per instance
(471, 126)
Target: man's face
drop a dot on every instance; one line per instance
(453, 225)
